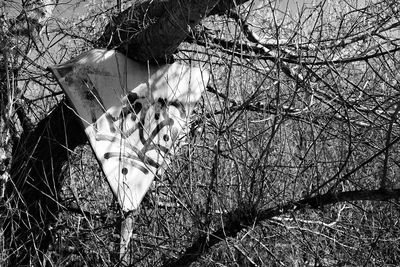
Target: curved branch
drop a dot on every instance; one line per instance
(168, 24)
(153, 30)
(240, 219)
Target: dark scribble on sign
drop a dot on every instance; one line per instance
(134, 118)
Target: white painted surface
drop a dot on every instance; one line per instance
(132, 114)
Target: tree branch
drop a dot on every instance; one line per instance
(239, 219)
(154, 31)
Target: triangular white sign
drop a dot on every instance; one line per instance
(132, 114)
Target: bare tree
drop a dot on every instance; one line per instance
(291, 158)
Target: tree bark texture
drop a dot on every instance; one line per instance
(153, 30)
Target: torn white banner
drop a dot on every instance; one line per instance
(132, 114)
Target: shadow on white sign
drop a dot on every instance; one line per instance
(132, 114)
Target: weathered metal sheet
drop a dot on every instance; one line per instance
(132, 114)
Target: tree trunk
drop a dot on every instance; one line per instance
(36, 182)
